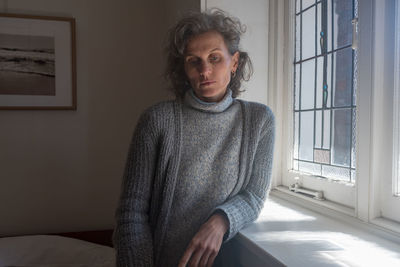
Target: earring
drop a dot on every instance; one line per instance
(233, 74)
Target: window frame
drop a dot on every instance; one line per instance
(366, 199)
(396, 107)
(341, 194)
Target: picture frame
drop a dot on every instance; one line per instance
(37, 63)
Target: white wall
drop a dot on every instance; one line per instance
(254, 14)
(61, 170)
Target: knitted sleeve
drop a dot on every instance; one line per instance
(133, 236)
(245, 207)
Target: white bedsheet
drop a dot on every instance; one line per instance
(54, 251)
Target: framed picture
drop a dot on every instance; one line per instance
(37, 62)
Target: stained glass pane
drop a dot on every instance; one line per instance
(329, 83)
(325, 90)
(297, 88)
(322, 156)
(311, 168)
(298, 37)
(353, 139)
(296, 136)
(343, 77)
(329, 24)
(298, 6)
(318, 129)
(320, 81)
(355, 75)
(308, 33)
(307, 84)
(306, 135)
(327, 129)
(319, 28)
(343, 29)
(336, 172)
(307, 3)
(342, 137)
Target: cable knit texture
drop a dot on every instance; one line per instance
(154, 162)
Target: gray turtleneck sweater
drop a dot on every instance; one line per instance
(208, 169)
(188, 159)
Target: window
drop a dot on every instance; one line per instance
(325, 67)
(323, 112)
(364, 149)
(340, 113)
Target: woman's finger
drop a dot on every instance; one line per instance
(195, 259)
(186, 257)
(211, 259)
(204, 259)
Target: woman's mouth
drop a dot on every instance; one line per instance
(206, 83)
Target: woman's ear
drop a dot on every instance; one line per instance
(235, 60)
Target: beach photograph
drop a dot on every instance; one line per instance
(27, 65)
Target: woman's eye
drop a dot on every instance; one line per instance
(191, 60)
(214, 58)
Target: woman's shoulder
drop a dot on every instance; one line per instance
(257, 109)
(160, 109)
(157, 115)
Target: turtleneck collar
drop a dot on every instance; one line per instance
(213, 107)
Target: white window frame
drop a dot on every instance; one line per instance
(383, 203)
(362, 200)
(396, 107)
(340, 194)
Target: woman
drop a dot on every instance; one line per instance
(199, 167)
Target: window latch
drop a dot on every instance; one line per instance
(318, 195)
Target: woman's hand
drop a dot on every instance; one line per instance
(206, 243)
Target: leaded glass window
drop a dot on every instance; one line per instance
(325, 71)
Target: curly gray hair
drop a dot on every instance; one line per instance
(196, 23)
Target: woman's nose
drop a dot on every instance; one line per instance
(204, 68)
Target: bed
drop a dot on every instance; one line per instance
(92, 248)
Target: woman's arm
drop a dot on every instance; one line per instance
(243, 208)
(246, 206)
(206, 243)
(133, 235)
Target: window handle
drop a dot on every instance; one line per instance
(354, 44)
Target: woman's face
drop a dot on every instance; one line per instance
(208, 65)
